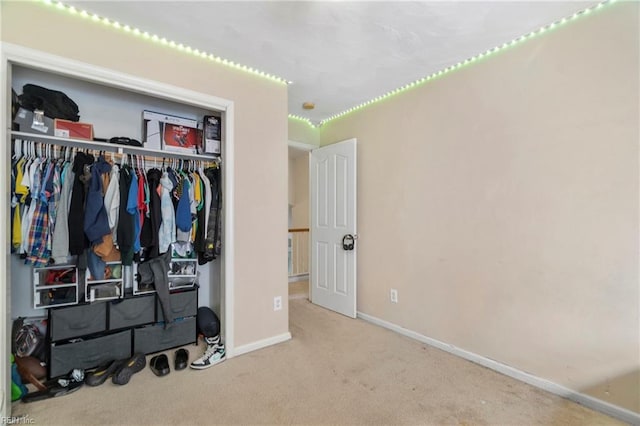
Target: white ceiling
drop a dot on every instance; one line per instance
(338, 54)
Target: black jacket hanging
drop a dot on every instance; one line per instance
(149, 234)
(77, 240)
(126, 226)
(213, 241)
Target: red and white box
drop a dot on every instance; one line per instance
(72, 129)
(171, 133)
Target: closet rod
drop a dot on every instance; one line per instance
(104, 146)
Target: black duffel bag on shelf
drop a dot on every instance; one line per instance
(55, 104)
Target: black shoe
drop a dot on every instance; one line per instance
(57, 387)
(182, 359)
(160, 365)
(128, 368)
(102, 373)
(52, 391)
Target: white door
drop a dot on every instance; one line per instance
(332, 181)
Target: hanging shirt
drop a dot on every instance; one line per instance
(207, 198)
(112, 201)
(20, 195)
(53, 193)
(167, 232)
(149, 233)
(141, 198)
(183, 212)
(77, 239)
(32, 177)
(96, 222)
(126, 220)
(132, 209)
(37, 242)
(60, 236)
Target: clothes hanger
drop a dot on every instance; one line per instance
(16, 142)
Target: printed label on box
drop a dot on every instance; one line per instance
(179, 137)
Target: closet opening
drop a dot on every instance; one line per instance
(113, 103)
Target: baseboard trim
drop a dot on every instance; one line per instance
(299, 296)
(296, 278)
(586, 400)
(254, 346)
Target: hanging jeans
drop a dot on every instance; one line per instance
(156, 271)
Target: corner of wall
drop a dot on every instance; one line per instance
(301, 131)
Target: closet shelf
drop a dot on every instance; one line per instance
(105, 146)
(50, 286)
(112, 280)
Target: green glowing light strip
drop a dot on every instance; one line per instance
(468, 61)
(303, 119)
(163, 41)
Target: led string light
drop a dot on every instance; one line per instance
(208, 56)
(303, 119)
(163, 41)
(467, 61)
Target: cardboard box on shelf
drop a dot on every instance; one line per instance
(26, 123)
(73, 129)
(163, 131)
(212, 134)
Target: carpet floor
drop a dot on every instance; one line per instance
(335, 371)
(299, 290)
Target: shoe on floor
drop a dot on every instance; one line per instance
(102, 373)
(212, 356)
(52, 391)
(159, 364)
(58, 387)
(128, 368)
(181, 359)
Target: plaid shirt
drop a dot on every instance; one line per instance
(39, 248)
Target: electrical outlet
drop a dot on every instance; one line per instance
(393, 295)
(277, 303)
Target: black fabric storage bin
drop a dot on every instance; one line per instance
(155, 338)
(89, 353)
(131, 312)
(183, 304)
(73, 321)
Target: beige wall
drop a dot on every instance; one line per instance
(291, 182)
(300, 131)
(260, 143)
(504, 200)
(299, 172)
(300, 182)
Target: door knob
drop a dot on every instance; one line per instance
(348, 242)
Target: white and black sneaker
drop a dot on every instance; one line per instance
(214, 354)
